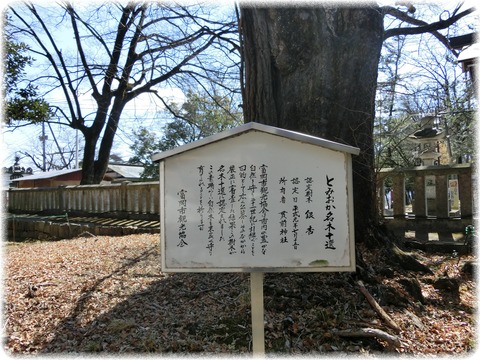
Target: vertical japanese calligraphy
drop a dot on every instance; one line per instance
(238, 198)
(301, 209)
(263, 202)
(263, 208)
(283, 214)
(201, 186)
(330, 217)
(210, 211)
(295, 212)
(232, 218)
(252, 236)
(182, 218)
(309, 214)
(243, 207)
(221, 200)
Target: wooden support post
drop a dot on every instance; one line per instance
(399, 196)
(13, 227)
(256, 295)
(124, 196)
(61, 203)
(381, 194)
(441, 189)
(465, 194)
(419, 205)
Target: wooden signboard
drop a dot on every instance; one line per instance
(257, 199)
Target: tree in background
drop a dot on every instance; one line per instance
(441, 89)
(24, 105)
(314, 70)
(22, 102)
(201, 115)
(420, 77)
(57, 154)
(391, 127)
(118, 52)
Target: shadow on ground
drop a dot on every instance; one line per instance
(209, 313)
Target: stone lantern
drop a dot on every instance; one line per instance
(427, 138)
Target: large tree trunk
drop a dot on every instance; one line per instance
(88, 162)
(314, 70)
(93, 171)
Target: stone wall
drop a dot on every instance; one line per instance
(19, 229)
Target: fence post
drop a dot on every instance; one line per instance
(419, 208)
(441, 194)
(380, 193)
(124, 195)
(61, 198)
(465, 194)
(10, 200)
(399, 195)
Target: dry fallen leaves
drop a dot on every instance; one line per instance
(108, 294)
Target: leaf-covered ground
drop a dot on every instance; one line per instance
(108, 295)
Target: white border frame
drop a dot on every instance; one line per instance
(351, 235)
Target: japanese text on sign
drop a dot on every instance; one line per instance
(249, 203)
(237, 210)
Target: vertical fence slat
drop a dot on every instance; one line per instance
(419, 208)
(465, 194)
(441, 189)
(142, 198)
(399, 196)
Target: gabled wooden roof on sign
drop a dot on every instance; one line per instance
(253, 126)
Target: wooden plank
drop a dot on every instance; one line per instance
(256, 293)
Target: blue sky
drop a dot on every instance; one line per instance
(145, 108)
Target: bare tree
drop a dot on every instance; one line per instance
(314, 69)
(51, 150)
(120, 52)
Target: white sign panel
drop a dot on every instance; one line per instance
(257, 202)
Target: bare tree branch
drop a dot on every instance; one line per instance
(64, 84)
(422, 26)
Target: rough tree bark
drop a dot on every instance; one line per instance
(314, 70)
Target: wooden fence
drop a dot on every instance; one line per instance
(435, 192)
(123, 198)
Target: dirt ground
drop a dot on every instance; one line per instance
(108, 295)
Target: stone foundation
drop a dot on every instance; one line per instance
(19, 229)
